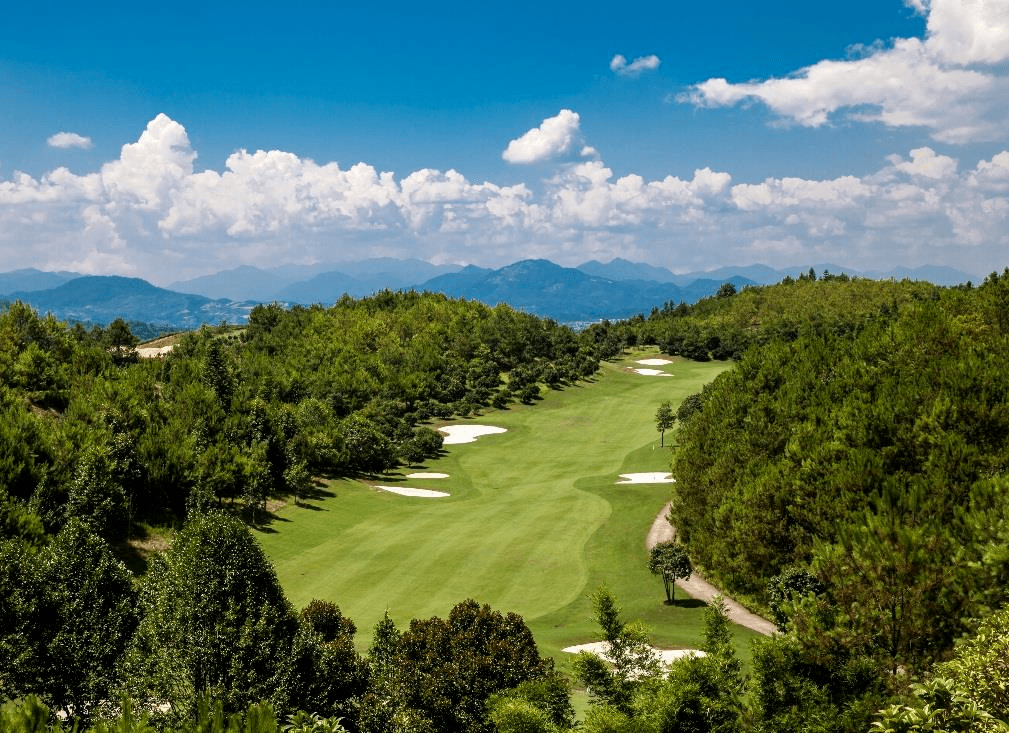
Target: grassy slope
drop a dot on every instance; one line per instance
(535, 522)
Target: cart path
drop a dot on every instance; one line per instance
(698, 587)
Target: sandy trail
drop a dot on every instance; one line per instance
(698, 587)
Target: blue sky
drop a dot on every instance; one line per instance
(172, 141)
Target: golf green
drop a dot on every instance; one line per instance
(534, 523)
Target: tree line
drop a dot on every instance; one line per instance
(96, 445)
(850, 480)
(232, 417)
(847, 477)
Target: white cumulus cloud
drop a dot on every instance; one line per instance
(946, 82)
(619, 64)
(926, 163)
(555, 137)
(69, 140)
(149, 212)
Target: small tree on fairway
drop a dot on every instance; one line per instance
(669, 559)
(664, 419)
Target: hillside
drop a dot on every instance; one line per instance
(846, 474)
(591, 292)
(102, 299)
(567, 294)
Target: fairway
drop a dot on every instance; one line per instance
(535, 520)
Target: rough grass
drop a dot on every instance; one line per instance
(534, 525)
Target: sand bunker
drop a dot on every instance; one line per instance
(647, 478)
(149, 352)
(651, 372)
(427, 475)
(455, 434)
(666, 656)
(407, 491)
(653, 362)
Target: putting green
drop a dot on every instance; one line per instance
(535, 520)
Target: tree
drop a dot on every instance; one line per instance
(690, 405)
(784, 589)
(664, 420)
(325, 673)
(727, 290)
(68, 613)
(970, 692)
(121, 342)
(670, 560)
(535, 706)
(939, 706)
(450, 667)
(215, 620)
(383, 707)
(217, 372)
(628, 658)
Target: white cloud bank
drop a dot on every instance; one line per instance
(619, 65)
(150, 213)
(953, 83)
(69, 140)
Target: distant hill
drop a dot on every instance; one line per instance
(592, 291)
(240, 283)
(934, 274)
(620, 269)
(307, 284)
(765, 275)
(325, 288)
(30, 279)
(567, 294)
(102, 299)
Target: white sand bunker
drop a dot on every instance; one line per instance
(427, 475)
(665, 656)
(455, 434)
(653, 362)
(647, 478)
(150, 352)
(651, 372)
(407, 491)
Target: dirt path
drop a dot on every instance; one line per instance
(698, 587)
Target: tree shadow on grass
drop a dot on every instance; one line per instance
(134, 558)
(686, 603)
(136, 552)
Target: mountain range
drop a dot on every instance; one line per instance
(591, 291)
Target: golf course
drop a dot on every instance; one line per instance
(530, 520)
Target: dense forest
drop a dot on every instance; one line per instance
(92, 432)
(98, 446)
(847, 477)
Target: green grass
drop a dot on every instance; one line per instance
(534, 525)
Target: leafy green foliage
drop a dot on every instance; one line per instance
(450, 667)
(728, 323)
(628, 657)
(69, 614)
(215, 619)
(669, 560)
(664, 420)
(536, 704)
(875, 458)
(789, 587)
(699, 692)
(967, 693)
(89, 430)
